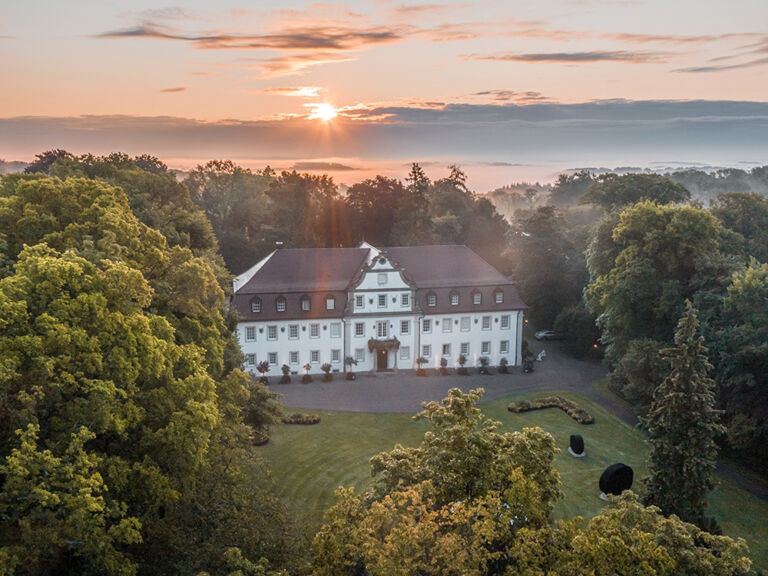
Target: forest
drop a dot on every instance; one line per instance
(127, 425)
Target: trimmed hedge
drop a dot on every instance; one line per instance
(301, 418)
(571, 408)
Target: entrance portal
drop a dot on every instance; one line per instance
(381, 359)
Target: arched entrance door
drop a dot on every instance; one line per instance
(381, 359)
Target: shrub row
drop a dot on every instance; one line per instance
(301, 418)
(571, 408)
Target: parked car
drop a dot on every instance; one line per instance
(548, 335)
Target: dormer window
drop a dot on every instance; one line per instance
(330, 303)
(498, 296)
(256, 305)
(305, 303)
(280, 303)
(454, 298)
(431, 299)
(477, 298)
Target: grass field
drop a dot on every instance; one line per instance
(309, 462)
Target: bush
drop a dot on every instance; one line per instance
(261, 436)
(301, 418)
(420, 362)
(444, 366)
(571, 408)
(503, 365)
(484, 362)
(326, 367)
(286, 377)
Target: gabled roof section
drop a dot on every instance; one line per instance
(306, 270)
(445, 266)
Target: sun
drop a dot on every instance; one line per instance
(324, 112)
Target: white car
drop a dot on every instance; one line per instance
(547, 335)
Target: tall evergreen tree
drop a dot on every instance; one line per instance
(683, 425)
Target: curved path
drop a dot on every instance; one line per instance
(404, 392)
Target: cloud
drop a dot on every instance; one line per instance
(292, 63)
(723, 67)
(577, 57)
(309, 38)
(302, 91)
(177, 89)
(528, 97)
(322, 166)
(166, 13)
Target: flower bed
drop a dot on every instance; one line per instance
(572, 409)
(301, 418)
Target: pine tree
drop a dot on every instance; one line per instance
(683, 425)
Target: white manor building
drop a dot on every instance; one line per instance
(383, 307)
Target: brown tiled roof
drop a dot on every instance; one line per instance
(293, 311)
(445, 266)
(306, 270)
(443, 305)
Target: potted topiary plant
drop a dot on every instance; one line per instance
(503, 365)
(420, 361)
(484, 362)
(326, 367)
(286, 378)
(263, 368)
(444, 366)
(462, 370)
(306, 379)
(349, 361)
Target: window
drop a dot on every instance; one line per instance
(431, 300)
(486, 322)
(335, 356)
(426, 325)
(359, 329)
(426, 350)
(382, 300)
(272, 358)
(382, 279)
(381, 329)
(477, 298)
(405, 352)
(465, 324)
(271, 332)
(293, 331)
(465, 348)
(280, 302)
(405, 300)
(360, 354)
(330, 303)
(293, 357)
(504, 347)
(447, 325)
(314, 330)
(446, 349)
(314, 356)
(505, 322)
(335, 329)
(250, 359)
(485, 348)
(454, 299)
(358, 300)
(250, 333)
(305, 303)
(405, 327)
(498, 297)
(256, 305)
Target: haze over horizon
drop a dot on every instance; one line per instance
(507, 93)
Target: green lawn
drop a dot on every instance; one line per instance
(309, 462)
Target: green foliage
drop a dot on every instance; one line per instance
(548, 266)
(569, 188)
(571, 408)
(683, 425)
(56, 514)
(664, 255)
(639, 372)
(611, 191)
(747, 215)
(580, 332)
(106, 328)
